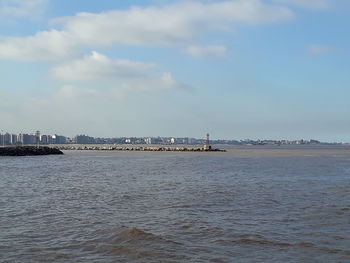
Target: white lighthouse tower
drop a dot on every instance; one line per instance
(207, 146)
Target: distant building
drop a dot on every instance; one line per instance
(149, 140)
(191, 141)
(37, 138)
(52, 139)
(83, 139)
(26, 138)
(14, 139)
(61, 139)
(44, 139)
(184, 140)
(7, 139)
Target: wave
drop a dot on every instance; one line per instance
(133, 243)
(131, 235)
(251, 241)
(335, 251)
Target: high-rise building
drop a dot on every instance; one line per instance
(27, 138)
(44, 139)
(7, 139)
(52, 139)
(61, 139)
(14, 139)
(37, 138)
(148, 140)
(83, 139)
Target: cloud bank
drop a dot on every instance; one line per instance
(171, 25)
(97, 66)
(115, 74)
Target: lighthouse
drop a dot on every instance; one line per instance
(207, 146)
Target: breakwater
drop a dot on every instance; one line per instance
(28, 151)
(137, 148)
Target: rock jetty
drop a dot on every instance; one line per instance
(137, 148)
(28, 151)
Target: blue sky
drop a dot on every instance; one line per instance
(276, 69)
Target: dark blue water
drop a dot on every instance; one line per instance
(259, 205)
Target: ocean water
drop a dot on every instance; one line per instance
(246, 205)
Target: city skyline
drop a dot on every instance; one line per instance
(259, 69)
(36, 138)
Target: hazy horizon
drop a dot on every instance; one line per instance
(170, 136)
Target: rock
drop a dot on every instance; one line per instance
(28, 151)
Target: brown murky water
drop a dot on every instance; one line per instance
(247, 205)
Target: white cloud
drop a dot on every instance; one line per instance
(207, 51)
(320, 49)
(22, 8)
(311, 4)
(97, 66)
(43, 46)
(169, 25)
(175, 24)
(115, 74)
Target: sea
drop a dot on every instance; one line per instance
(249, 204)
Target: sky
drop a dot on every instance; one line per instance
(238, 69)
